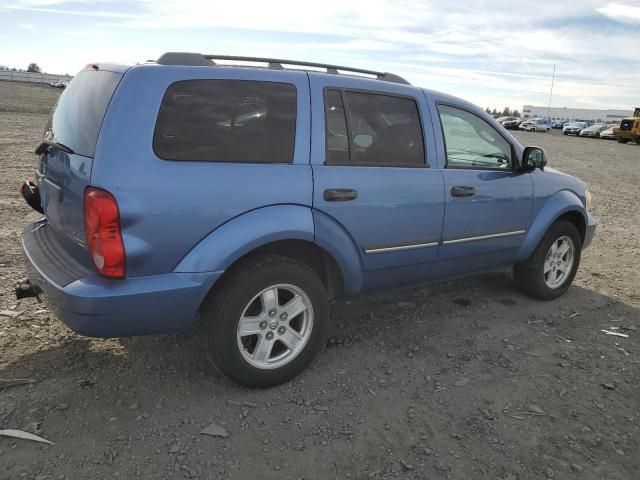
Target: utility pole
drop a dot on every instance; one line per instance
(553, 77)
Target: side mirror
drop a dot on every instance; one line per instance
(534, 157)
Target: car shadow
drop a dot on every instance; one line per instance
(136, 363)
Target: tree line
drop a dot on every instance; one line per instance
(507, 112)
(32, 68)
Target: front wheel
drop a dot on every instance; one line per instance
(549, 271)
(266, 321)
(533, 130)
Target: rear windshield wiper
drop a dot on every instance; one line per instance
(46, 144)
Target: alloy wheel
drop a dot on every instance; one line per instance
(559, 262)
(275, 326)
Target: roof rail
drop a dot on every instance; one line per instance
(197, 59)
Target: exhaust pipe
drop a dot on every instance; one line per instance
(26, 289)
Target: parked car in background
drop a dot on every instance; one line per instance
(510, 123)
(557, 124)
(249, 197)
(59, 83)
(535, 125)
(573, 128)
(607, 133)
(593, 131)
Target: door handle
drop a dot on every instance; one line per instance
(340, 194)
(462, 191)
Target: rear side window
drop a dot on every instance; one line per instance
(371, 129)
(78, 116)
(337, 136)
(227, 121)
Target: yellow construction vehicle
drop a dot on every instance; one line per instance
(629, 129)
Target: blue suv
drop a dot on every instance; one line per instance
(250, 196)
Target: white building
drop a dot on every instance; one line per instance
(584, 114)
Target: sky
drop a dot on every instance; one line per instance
(494, 53)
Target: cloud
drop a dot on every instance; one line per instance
(621, 13)
(27, 26)
(491, 49)
(84, 13)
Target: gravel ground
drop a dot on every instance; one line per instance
(464, 380)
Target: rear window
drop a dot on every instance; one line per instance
(78, 116)
(227, 121)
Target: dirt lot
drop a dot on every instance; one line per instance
(466, 380)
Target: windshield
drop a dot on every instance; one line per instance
(77, 117)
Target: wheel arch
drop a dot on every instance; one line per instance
(578, 219)
(306, 252)
(564, 205)
(286, 230)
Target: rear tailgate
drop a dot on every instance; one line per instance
(75, 124)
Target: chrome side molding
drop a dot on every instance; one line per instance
(413, 246)
(483, 237)
(399, 248)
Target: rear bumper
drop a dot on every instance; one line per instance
(590, 230)
(102, 307)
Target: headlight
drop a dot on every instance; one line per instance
(587, 199)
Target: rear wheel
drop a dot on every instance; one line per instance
(549, 271)
(266, 321)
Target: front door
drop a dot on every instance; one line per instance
(372, 176)
(488, 202)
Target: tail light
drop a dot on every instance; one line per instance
(102, 229)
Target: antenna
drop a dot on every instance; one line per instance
(553, 77)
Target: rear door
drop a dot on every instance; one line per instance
(371, 170)
(75, 124)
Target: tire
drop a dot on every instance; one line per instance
(530, 275)
(565, 133)
(533, 130)
(638, 141)
(277, 279)
(622, 140)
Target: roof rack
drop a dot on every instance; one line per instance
(197, 59)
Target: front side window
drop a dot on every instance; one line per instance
(227, 121)
(471, 142)
(372, 130)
